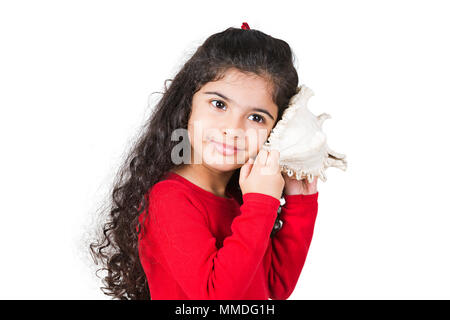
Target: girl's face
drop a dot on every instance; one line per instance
(237, 111)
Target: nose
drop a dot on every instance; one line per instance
(232, 129)
(232, 132)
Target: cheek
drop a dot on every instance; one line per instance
(200, 131)
(255, 138)
(204, 121)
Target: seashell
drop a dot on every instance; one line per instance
(299, 138)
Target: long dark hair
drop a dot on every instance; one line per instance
(249, 51)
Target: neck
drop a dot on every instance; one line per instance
(206, 178)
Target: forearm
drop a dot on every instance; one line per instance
(289, 247)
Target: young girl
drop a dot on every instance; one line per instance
(211, 226)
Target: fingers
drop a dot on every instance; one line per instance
(246, 169)
(261, 158)
(273, 159)
(271, 165)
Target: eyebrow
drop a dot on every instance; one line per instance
(230, 100)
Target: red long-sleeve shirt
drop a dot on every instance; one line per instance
(197, 245)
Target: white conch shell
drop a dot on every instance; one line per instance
(302, 145)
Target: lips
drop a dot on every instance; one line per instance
(225, 148)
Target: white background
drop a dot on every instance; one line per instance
(75, 81)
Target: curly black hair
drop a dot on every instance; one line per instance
(249, 51)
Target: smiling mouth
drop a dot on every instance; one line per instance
(225, 148)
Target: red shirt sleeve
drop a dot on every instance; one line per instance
(290, 244)
(189, 249)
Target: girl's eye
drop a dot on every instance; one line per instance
(220, 105)
(259, 119)
(220, 102)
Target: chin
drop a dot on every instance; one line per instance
(222, 168)
(221, 164)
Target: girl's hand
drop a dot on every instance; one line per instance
(263, 175)
(293, 186)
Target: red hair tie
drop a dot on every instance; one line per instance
(245, 26)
